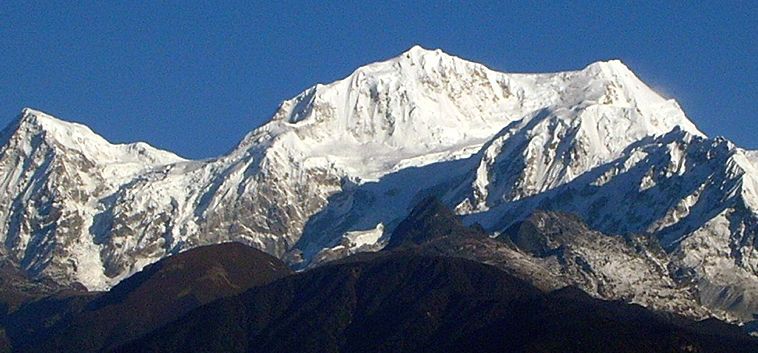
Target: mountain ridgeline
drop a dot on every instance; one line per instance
(584, 178)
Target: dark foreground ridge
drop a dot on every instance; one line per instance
(405, 302)
(158, 294)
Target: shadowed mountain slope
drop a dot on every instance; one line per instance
(400, 302)
(151, 298)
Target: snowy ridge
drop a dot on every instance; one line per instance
(340, 164)
(52, 176)
(694, 195)
(560, 142)
(122, 160)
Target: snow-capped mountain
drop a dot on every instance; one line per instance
(338, 166)
(53, 176)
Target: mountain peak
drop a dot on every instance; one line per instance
(416, 52)
(426, 101)
(42, 121)
(430, 219)
(33, 123)
(32, 113)
(414, 61)
(615, 65)
(617, 73)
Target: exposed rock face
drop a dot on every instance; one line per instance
(554, 250)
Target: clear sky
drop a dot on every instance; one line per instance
(193, 76)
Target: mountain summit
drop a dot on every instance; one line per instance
(340, 165)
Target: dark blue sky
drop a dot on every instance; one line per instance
(195, 78)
